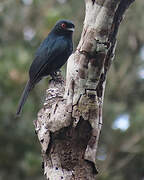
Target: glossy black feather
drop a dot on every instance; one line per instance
(50, 56)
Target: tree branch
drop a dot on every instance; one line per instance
(69, 125)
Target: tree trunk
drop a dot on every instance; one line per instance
(69, 124)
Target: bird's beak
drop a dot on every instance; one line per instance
(70, 29)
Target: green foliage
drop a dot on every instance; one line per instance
(24, 24)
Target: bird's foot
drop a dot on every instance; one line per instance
(57, 77)
(59, 80)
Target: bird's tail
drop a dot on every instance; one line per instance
(24, 96)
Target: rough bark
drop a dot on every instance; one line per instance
(69, 124)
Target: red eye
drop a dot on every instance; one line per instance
(63, 25)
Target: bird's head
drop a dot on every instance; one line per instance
(64, 27)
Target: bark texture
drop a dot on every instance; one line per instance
(69, 124)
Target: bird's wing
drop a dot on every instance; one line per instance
(48, 51)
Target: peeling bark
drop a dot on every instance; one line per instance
(69, 125)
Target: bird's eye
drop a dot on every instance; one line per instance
(63, 25)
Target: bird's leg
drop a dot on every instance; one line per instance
(56, 76)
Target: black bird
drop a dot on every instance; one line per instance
(50, 56)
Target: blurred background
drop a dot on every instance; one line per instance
(23, 25)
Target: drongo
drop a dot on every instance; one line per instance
(50, 56)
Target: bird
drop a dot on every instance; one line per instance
(51, 55)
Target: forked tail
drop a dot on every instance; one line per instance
(24, 96)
